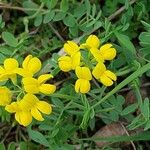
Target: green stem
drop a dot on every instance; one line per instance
(37, 12)
(26, 19)
(134, 75)
(102, 91)
(67, 97)
(121, 73)
(138, 95)
(59, 118)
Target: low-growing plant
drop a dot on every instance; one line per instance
(74, 75)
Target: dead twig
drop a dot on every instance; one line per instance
(119, 11)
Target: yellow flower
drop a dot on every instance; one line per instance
(91, 42)
(9, 70)
(33, 86)
(67, 63)
(106, 77)
(82, 84)
(5, 96)
(29, 106)
(35, 106)
(106, 52)
(22, 115)
(71, 48)
(30, 66)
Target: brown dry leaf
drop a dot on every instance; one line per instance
(114, 129)
(131, 98)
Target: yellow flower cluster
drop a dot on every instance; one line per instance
(92, 64)
(28, 105)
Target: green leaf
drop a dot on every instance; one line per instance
(93, 10)
(145, 109)
(12, 146)
(28, 146)
(2, 146)
(125, 41)
(23, 146)
(49, 16)
(69, 21)
(38, 20)
(74, 31)
(147, 126)
(146, 25)
(6, 51)
(53, 3)
(38, 137)
(129, 109)
(9, 39)
(88, 6)
(57, 102)
(128, 48)
(79, 11)
(59, 16)
(0, 19)
(2, 24)
(64, 5)
(2, 58)
(30, 4)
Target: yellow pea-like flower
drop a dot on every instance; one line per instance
(33, 86)
(91, 42)
(8, 71)
(82, 85)
(71, 48)
(35, 106)
(67, 63)
(30, 106)
(30, 66)
(106, 77)
(106, 52)
(22, 115)
(5, 96)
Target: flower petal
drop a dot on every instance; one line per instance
(44, 107)
(82, 86)
(98, 70)
(2, 70)
(83, 46)
(30, 85)
(65, 63)
(36, 114)
(28, 101)
(13, 78)
(96, 54)
(76, 60)
(10, 64)
(111, 75)
(43, 78)
(26, 61)
(47, 88)
(5, 96)
(93, 41)
(4, 77)
(106, 80)
(83, 73)
(107, 52)
(23, 72)
(24, 118)
(34, 65)
(12, 108)
(71, 48)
